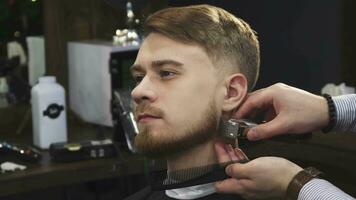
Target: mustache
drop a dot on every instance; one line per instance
(147, 109)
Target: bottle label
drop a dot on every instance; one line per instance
(53, 110)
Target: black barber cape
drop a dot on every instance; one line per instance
(197, 188)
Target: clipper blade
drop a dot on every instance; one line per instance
(235, 129)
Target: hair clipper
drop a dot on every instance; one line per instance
(235, 129)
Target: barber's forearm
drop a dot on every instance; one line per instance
(345, 113)
(322, 190)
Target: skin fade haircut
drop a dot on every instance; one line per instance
(222, 35)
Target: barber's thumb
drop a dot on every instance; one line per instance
(235, 170)
(266, 130)
(229, 170)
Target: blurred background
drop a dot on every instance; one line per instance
(304, 43)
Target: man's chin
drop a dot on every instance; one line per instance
(157, 154)
(155, 145)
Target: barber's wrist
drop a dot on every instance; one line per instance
(299, 180)
(322, 111)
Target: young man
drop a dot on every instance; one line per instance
(194, 67)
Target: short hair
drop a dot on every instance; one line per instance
(221, 34)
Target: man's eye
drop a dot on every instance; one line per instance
(166, 74)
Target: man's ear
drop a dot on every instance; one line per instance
(236, 90)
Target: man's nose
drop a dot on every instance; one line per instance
(144, 91)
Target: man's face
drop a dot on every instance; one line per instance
(177, 99)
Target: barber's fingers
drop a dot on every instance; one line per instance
(231, 186)
(232, 153)
(277, 126)
(225, 153)
(221, 153)
(240, 154)
(255, 102)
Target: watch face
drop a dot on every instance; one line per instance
(312, 171)
(53, 110)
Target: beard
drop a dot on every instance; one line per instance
(168, 142)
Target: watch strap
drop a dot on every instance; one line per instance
(299, 180)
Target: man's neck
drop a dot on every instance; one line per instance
(199, 156)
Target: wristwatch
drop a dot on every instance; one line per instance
(299, 180)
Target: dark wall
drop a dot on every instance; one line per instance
(349, 42)
(300, 39)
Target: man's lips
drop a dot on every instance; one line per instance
(146, 117)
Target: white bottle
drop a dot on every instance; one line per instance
(48, 112)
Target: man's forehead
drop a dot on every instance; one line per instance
(159, 47)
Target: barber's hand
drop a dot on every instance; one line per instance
(262, 178)
(286, 110)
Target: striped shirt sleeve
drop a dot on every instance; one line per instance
(345, 113)
(345, 122)
(322, 190)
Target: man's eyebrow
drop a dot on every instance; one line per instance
(159, 63)
(155, 64)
